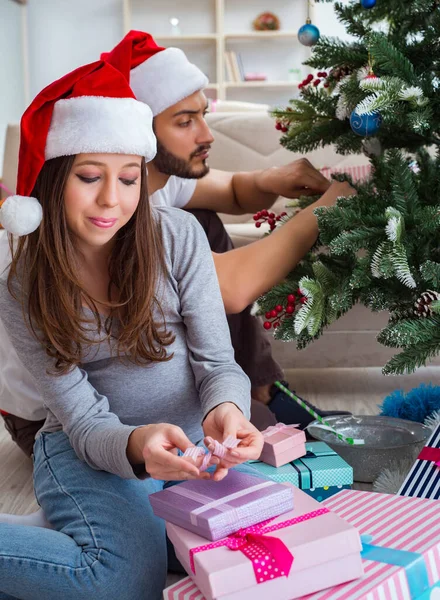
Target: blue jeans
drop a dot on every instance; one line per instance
(106, 544)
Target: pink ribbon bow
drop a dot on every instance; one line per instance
(220, 450)
(270, 557)
(279, 427)
(430, 454)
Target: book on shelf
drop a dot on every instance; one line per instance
(228, 67)
(234, 66)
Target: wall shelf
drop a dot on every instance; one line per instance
(211, 28)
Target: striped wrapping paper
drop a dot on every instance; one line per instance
(358, 173)
(185, 589)
(423, 480)
(411, 524)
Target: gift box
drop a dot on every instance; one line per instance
(186, 589)
(423, 480)
(320, 473)
(282, 444)
(302, 551)
(401, 546)
(214, 509)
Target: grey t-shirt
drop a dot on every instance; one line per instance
(101, 402)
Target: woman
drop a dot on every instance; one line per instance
(115, 311)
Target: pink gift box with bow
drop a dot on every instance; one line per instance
(282, 444)
(300, 552)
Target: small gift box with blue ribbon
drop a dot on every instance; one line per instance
(320, 473)
(423, 480)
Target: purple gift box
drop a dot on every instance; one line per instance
(215, 509)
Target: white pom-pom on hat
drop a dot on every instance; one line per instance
(21, 215)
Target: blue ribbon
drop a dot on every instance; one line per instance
(412, 562)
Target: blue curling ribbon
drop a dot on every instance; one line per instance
(412, 562)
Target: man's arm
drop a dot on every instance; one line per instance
(249, 192)
(248, 272)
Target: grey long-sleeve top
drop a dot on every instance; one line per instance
(102, 401)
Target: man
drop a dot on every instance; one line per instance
(180, 176)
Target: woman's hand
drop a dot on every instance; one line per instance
(157, 446)
(227, 420)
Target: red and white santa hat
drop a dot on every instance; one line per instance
(91, 110)
(159, 77)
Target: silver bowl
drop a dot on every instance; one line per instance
(387, 441)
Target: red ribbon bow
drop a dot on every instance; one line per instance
(430, 454)
(270, 556)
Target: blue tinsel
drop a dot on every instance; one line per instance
(415, 405)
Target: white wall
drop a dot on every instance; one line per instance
(12, 102)
(326, 21)
(64, 34)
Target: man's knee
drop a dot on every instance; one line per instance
(22, 431)
(216, 233)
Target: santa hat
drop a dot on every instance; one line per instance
(91, 110)
(159, 77)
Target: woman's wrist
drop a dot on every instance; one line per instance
(135, 445)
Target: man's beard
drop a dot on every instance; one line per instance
(170, 164)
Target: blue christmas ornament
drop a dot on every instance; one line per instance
(368, 3)
(308, 34)
(365, 125)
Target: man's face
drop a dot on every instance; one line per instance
(183, 138)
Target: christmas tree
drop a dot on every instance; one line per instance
(380, 95)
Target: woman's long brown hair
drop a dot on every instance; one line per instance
(46, 265)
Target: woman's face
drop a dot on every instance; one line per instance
(101, 195)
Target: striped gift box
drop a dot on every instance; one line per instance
(185, 589)
(423, 480)
(394, 522)
(359, 173)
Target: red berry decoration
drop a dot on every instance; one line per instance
(291, 299)
(278, 308)
(278, 125)
(264, 216)
(273, 313)
(316, 82)
(290, 309)
(267, 325)
(275, 325)
(267, 315)
(284, 129)
(303, 300)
